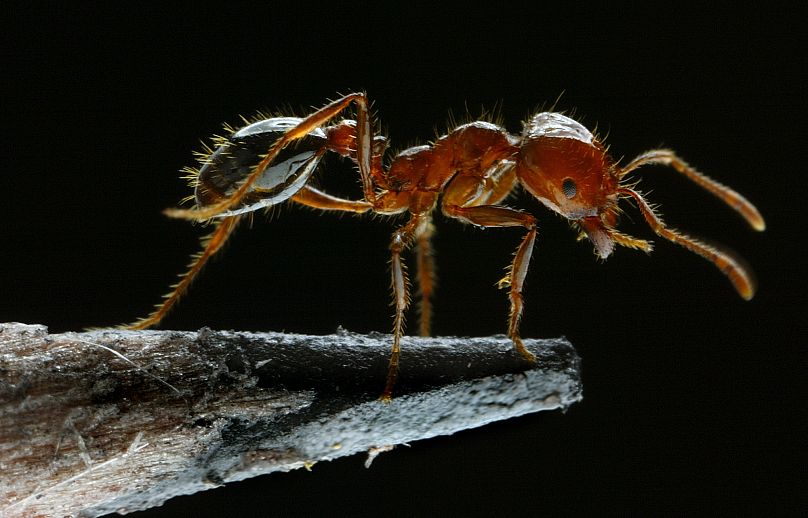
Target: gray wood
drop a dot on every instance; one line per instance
(86, 432)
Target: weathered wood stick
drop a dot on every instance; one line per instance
(109, 420)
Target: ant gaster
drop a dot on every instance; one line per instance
(470, 171)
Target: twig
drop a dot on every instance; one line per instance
(104, 421)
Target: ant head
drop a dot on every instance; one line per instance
(567, 169)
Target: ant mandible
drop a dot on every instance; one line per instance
(472, 169)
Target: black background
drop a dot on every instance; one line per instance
(693, 397)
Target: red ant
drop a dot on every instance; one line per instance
(472, 169)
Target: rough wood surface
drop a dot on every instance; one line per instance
(85, 432)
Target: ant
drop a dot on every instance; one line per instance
(469, 171)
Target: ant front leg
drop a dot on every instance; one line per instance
(496, 216)
(317, 119)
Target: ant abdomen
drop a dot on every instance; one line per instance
(232, 161)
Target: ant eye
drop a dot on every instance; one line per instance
(568, 186)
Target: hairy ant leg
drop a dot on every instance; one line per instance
(426, 273)
(307, 196)
(497, 216)
(212, 243)
(402, 239)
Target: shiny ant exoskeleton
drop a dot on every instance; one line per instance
(472, 169)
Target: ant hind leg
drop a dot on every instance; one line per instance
(212, 244)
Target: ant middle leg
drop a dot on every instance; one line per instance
(497, 216)
(426, 273)
(402, 239)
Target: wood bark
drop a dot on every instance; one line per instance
(110, 420)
